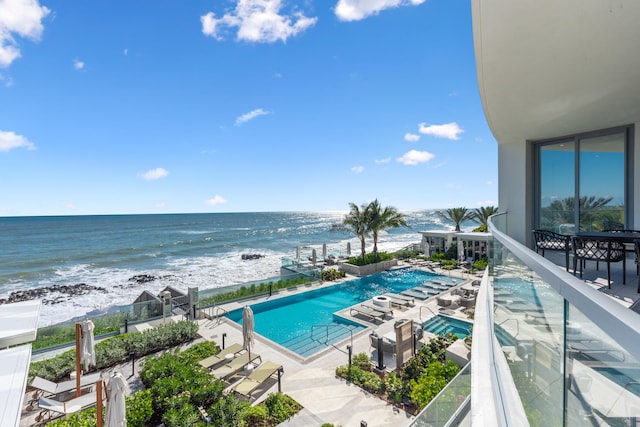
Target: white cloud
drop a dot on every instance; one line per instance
(10, 140)
(154, 174)
(217, 200)
(22, 18)
(414, 157)
(382, 161)
(355, 10)
(448, 130)
(411, 137)
(251, 115)
(357, 169)
(77, 64)
(257, 21)
(7, 80)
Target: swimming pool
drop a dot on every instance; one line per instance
(444, 325)
(293, 321)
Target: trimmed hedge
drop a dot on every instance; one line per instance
(115, 350)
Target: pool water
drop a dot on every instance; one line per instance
(297, 321)
(444, 325)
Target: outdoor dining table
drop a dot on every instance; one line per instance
(626, 236)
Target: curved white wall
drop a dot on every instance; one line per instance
(549, 68)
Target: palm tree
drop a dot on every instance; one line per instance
(357, 222)
(381, 219)
(457, 215)
(482, 214)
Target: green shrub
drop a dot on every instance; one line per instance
(370, 259)
(256, 416)
(480, 264)
(139, 408)
(395, 387)
(329, 274)
(361, 360)
(116, 350)
(281, 407)
(429, 384)
(369, 381)
(255, 289)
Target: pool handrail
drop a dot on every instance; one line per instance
(327, 325)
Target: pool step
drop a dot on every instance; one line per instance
(306, 345)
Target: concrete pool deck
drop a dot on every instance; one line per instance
(312, 382)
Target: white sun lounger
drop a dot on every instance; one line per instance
(367, 311)
(415, 294)
(400, 300)
(45, 386)
(371, 305)
(49, 406)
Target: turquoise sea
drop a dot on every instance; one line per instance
(181, 250)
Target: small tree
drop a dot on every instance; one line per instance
(481, 215)
(457, 215)
(380, 219)
(356, 222)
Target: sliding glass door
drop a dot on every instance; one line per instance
(581, 180)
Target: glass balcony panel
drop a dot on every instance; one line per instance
(529, 325)
(603, 379)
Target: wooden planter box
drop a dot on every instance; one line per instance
(369, 269)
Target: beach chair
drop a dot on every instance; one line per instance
(371, 305)
(50, 388)
(415, 294)
(217, 359)
(54, 408)
(235, 365)
(367, 311)
(257, 378)
(400, 300)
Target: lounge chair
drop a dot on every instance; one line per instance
(369, 312)
(50, 406)
(415, 294)
(427, 290)
(43, 386)
(221, 357)
(255, 379)
(400, 300)
(235, 365)
(371, 305)
(387, 346)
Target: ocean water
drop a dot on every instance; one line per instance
(181, 250)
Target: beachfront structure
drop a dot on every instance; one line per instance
(559, 88)
(474, 244)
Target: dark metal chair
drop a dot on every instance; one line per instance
(551, 241)
(599, 250)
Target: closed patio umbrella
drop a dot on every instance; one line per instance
(85, 349)
(88, 345)
(348, 249)
(324, 251)
(247, 329)
(116, 415)
(298, 253)
(314, 256)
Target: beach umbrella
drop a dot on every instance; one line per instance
(247, 329)
(324, 251)
(460, 250)
(313, 257)
(348, 248)
(116, 415)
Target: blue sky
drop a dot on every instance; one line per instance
(115, 107)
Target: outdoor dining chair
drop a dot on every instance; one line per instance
(551, 241)
(599, 250)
